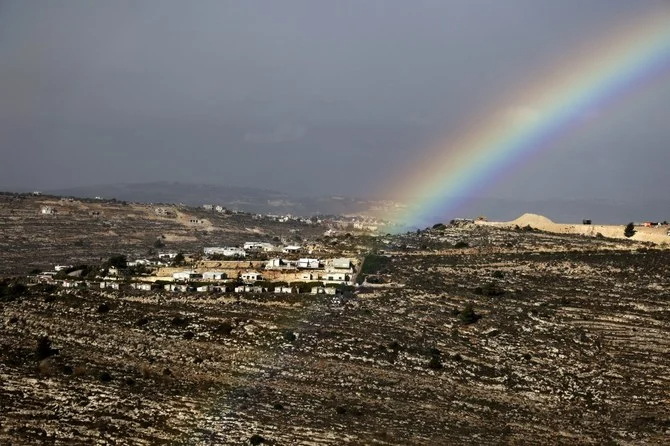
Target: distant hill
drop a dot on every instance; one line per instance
(239, 198)
(276, 202)
(562, 210)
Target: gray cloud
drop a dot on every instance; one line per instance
(93, 91)
(279, 134)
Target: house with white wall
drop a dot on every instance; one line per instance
(214, 275)
(308, 263)
(185, 276)
(251, 276)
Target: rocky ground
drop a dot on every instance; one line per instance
(516, 337)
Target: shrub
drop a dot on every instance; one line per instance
(468, 315)
(105, 377)
(179, 321)
(372, 264)
(103, 308)
(629, 231)
(11, 291)
(224, 328)
(118, 261)
(498, 274)
(256, 439)
(289, 336)
(44, 349)
(490, 289)
(461, 245)
(435, 363)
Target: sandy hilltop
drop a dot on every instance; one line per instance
(656, 234)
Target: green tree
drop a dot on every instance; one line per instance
(118, 261)
(178, 260)
(630, 230)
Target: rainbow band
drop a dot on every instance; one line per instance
(454, 170)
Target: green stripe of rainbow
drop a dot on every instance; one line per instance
(636, 54)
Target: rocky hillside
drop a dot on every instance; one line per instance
(490, 336)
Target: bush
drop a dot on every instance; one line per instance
(468, 315)
(289, 336)
(10, 291)
(118, 261)
(629, 231)
(224, 328)
(490, 289)
(372, 264)
(256, 439)
(435, 363)
(461, 245)
(44, 349)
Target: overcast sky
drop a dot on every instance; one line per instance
(311, 97)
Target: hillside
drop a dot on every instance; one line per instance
(84, 231)
(491, 336)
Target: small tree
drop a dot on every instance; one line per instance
(468, 315)
(178, 260)
(118, 261)
(630, 230)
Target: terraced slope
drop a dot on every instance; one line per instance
(567, 343)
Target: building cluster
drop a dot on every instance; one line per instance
(286, 270)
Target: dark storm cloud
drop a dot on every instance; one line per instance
(340, 96)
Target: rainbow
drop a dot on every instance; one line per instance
(634, 56)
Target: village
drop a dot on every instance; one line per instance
(255, 267)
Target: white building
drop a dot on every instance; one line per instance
(208, 207)
(248, 289)
(308, 263)
(141, 286)
(342, 263)
(292, 249)
(110, 285)
(48, 210)
(284, 290)
(279, 264)
(252, 276)
(61, 267)
(214, 275)
(186, 275)
(324, 290)
(226, 251)
(259, 246)
(167, 255)
(175, 287)
(335, 276)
